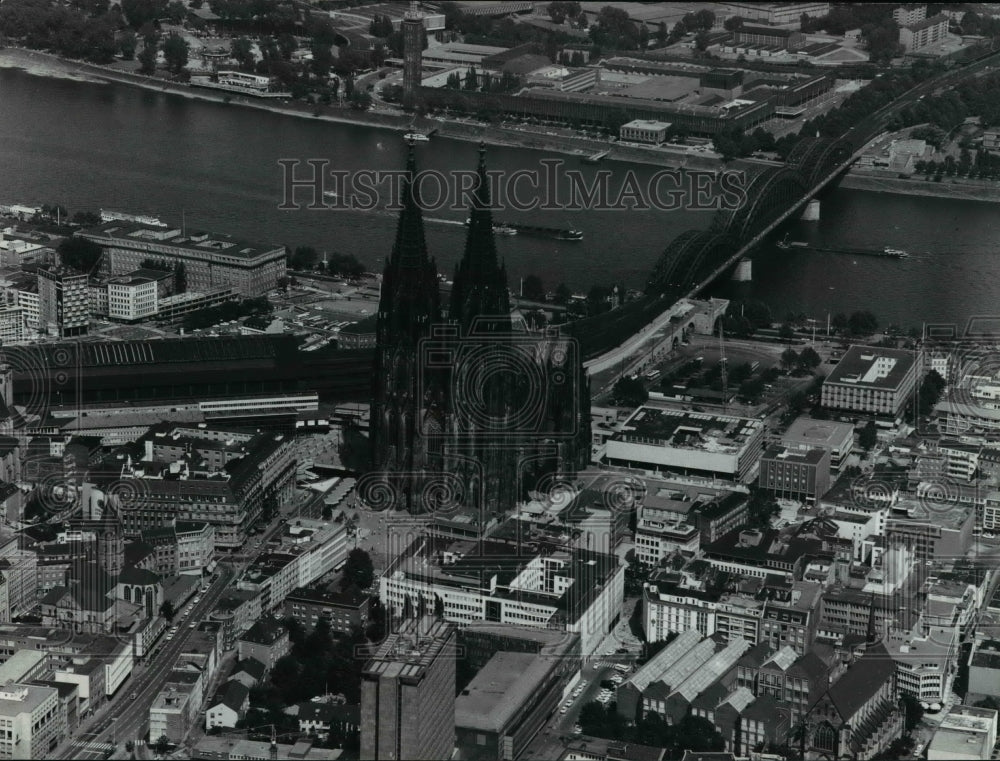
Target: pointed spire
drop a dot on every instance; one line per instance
(410, 248)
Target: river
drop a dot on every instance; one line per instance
(89, 146)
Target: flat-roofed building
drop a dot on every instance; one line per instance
(507, 702)
(644, 131)
(909, 13)
(132, 297)
(922, 34)
(871, 379)
(32, 720)
(574, 590)
(211, 261)
(807, 433)
(802, 474)
(408, 694)
(689, 443)
(933, 531)
(479, 641)
(786, 39)
(63, 302)
(984, 669)
(965, 732)
(669, 607)
(925, 664)
(342, 610)
(777, 13)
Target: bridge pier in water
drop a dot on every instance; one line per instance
(811, 212)
(744, 271)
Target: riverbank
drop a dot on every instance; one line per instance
(40, 63)
(957, 189)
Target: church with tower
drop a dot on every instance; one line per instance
(463, 393)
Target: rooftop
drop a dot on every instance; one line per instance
(872, 367)
(817, 433)
(411, 650)
(688, 430)
(499, 690)
(135, 235)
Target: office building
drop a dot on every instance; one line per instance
(63, 302)
(31, 720)
(672, 603)
(210, 261)
(132, 297)
(501, 710)
(688, 443)
(644, 131)
(408, 694)
(871, 379)
(925, 663)
(576, 591)
(965, 734)
(807, 433)
(800, 474)
(342, 610)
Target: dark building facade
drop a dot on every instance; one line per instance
(471, 400)
(401, 414)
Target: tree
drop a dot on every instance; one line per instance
(868, 437)
(629, 392)
(303, 259)
(911, 710)
(358, 570)
(80, 254)
(809, 359)
(127, 44)
(930, 392)
(532, 288)
(862, 323)
(789, 359)
(761, 509)
(175, 53)
(242, 51)
(786, 332)
(180, 278)
(147, 59)
(162, 745)
(167, 611)
(563, 294)
(732, 23)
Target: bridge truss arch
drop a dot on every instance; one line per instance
(768, 196)
(689, 258)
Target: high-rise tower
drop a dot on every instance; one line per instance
(413, 49)
(409, 305)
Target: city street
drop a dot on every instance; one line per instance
(121, 718)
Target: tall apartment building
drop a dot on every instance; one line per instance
(408, 694)
(31, 723)
(211, 261)
(924, 33)
(63, 302)
(871, 379)
(908, 14)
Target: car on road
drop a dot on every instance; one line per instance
(563, 709)
(135, 695)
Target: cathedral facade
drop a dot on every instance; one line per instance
(469, 408)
